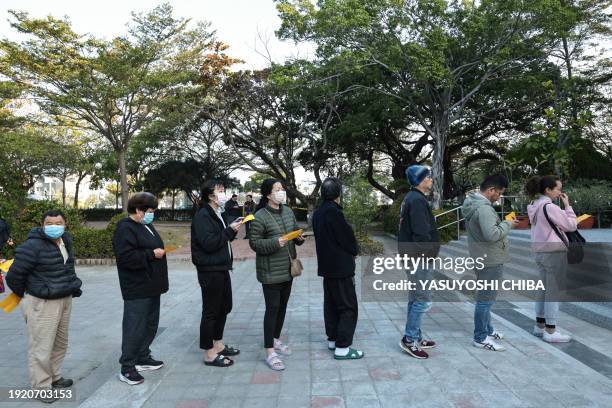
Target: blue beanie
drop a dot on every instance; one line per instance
(416, 174)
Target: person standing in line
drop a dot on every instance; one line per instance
(337, 249)
(418, 237)
(487, 239)
(248, 208)
(549, 248)
(211, 253)
(43, 275)
(143, 277)
(232, 209)
(273, 219)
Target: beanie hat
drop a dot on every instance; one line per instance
(416, 174)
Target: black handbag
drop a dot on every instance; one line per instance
(572, 240)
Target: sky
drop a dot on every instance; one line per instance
(239, 23)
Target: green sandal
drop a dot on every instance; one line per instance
(352, 355)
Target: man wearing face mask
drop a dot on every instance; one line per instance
(143, 277)
(43, 275)
(211, 253)
(232, 208)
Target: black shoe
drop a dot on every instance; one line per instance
(62, 383)
(131, 376)
(149, 364)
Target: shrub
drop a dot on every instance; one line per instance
(112, 224)
(367, 246)
(93, 243)
(360, 204)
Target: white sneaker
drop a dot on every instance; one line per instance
(556, 337)
(538, 331)
(496, 335)
(489, 344)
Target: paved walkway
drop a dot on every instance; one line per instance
(529, 373)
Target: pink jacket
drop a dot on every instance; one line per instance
(543, 237)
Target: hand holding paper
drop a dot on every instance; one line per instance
(248, 218)
(293, 235)
(582, 218)
(510, 217)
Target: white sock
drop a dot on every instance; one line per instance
(341, 351)
(331, 344)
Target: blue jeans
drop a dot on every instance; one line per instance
(419, 302)
(484, 301)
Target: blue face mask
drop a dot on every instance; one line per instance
(54, 231)
(148, 218)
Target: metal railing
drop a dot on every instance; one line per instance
(457, 211)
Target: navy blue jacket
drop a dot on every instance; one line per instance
(39, 268)
(418, 233)
(335, 242)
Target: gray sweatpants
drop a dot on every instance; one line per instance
(552, 267)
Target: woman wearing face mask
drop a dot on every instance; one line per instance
(211, 253)
(143, 277)
(273, 219)
(550, 250)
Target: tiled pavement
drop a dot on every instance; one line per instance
(529, 373)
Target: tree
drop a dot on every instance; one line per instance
(114, 88)
(440, 54)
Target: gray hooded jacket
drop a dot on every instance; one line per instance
(487, 233)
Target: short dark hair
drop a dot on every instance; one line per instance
(53, 213)
(331, 188)
(142, 201)
(208, 189)
(234, 195)
(250, 195)
(497, 181)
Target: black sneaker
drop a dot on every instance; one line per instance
(131, 376)
(149, 364)
(62, 383)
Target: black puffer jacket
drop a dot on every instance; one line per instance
(418, 234)
(209, 242)
(39, 268)
(141, 275)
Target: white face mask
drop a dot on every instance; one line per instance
(280, 196)
(222, 198)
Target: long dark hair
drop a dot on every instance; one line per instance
(265, 190)
(538, 184)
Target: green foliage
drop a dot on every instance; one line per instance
(92, 243)
(589, 196)
(112, 225)
(360, 204)
(368, 246)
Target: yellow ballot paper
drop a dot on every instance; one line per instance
(4, 267)
(293, 235)
(10, 302)
(170, 248)
(511, 216)
(248, 218)
(582, 218)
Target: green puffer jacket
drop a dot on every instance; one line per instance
(272, 261)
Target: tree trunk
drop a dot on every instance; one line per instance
(117, 195)
(123, 176)
(173, 200)
(437, 170)
(64, 191)
(76, 192)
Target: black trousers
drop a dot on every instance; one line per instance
(216, 305)
(340, 310)
(140, 323)
(277, 297)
